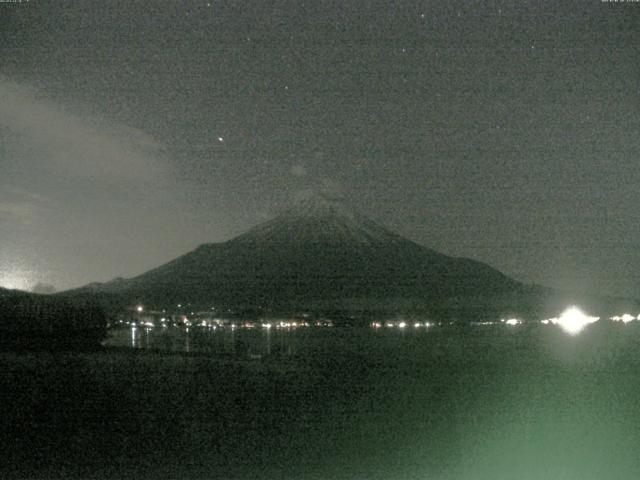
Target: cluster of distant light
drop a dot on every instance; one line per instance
(624, 318)
(572, 321)
(401, 324)
(287, 324)
(213, 324)
(511, 321)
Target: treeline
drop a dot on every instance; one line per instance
(30, 321)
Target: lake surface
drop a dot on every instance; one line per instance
(472, 343)
(446, 403)
(415, 345)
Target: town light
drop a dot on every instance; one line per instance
(512, 321)
(573, 320)
(624, 318)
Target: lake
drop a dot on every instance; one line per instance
(415, 345)
(468, 403)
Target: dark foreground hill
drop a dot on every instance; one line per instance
(31, 321)
(322, 256)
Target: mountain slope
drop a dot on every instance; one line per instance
(317, 253)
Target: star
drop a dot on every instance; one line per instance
(220, 139)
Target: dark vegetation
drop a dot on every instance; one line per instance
(36, 322)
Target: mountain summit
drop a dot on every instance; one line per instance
(317, 254)
(318, 220)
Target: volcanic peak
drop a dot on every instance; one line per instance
(319, 219)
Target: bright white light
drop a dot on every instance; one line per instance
(14, 283)
(139, 308)
(512, 321)
(402, 325)
(14, 278)
(573, 320)
(544, 322)
(625, 318)
(417, 325)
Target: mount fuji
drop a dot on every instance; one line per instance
(317, 255)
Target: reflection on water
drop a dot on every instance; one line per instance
(482, 341)
(221, 340)
(259, 342)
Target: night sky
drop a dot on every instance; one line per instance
(133, 131)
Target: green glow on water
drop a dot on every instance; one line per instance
(494, 402)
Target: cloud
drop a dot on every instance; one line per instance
(75, 145)
(21, 205)
(21, 192)
(22, 212)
